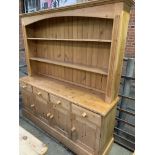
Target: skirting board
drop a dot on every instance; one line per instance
(60, 137)
(108, 148)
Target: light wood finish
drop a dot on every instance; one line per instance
(67, 61)
(79, 67)
(88, 115)
(26, 86)
(55, 133)
(108, 123)
(29, 144)
(40, 93)
(91, 128)
(43, 108)
(80, 40)
(61, 102)
(73, 144)
(61, 120)
(27, 53)
(74, 56)
(71, 93)
(61, 114)
(28, 100)
(108, 148)
(83, 50)
(117, 53)
(105, 9)
(87, 129)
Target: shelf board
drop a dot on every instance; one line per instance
(79, 40)
(70, 65)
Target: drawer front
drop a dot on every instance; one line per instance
(26, 86)
(86, 114)
(41, 93)
(59, 102)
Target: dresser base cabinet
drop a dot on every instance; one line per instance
(78, 118)
(62, 138)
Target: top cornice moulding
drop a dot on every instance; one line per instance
(78, 5)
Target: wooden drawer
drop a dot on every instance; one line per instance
(86, 114)
(26, 86)
(59, 102)
(41, 93)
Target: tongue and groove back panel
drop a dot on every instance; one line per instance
(72, 49)
(82, 44)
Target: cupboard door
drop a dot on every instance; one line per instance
(43, 109)
(84, 132)
(61, 115)
(28, 101)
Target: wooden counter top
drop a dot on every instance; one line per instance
(80, 96)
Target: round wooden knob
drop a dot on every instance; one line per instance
(73, 129)
(24, 86)
(58, 102)
(39, 93)
(48, 114)
(84, 114)
(32, 105)
(51, 117)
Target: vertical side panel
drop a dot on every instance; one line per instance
(116, 55)
(27, 51)
(107, 128)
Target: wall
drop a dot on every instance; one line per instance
(130, 43)
(21, 43)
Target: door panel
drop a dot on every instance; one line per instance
(61, 112)
(85, 133)
(43, 108)
(28, 101)
(61, 120)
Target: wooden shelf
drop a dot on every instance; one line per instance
(75, 66)
(80, 40)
